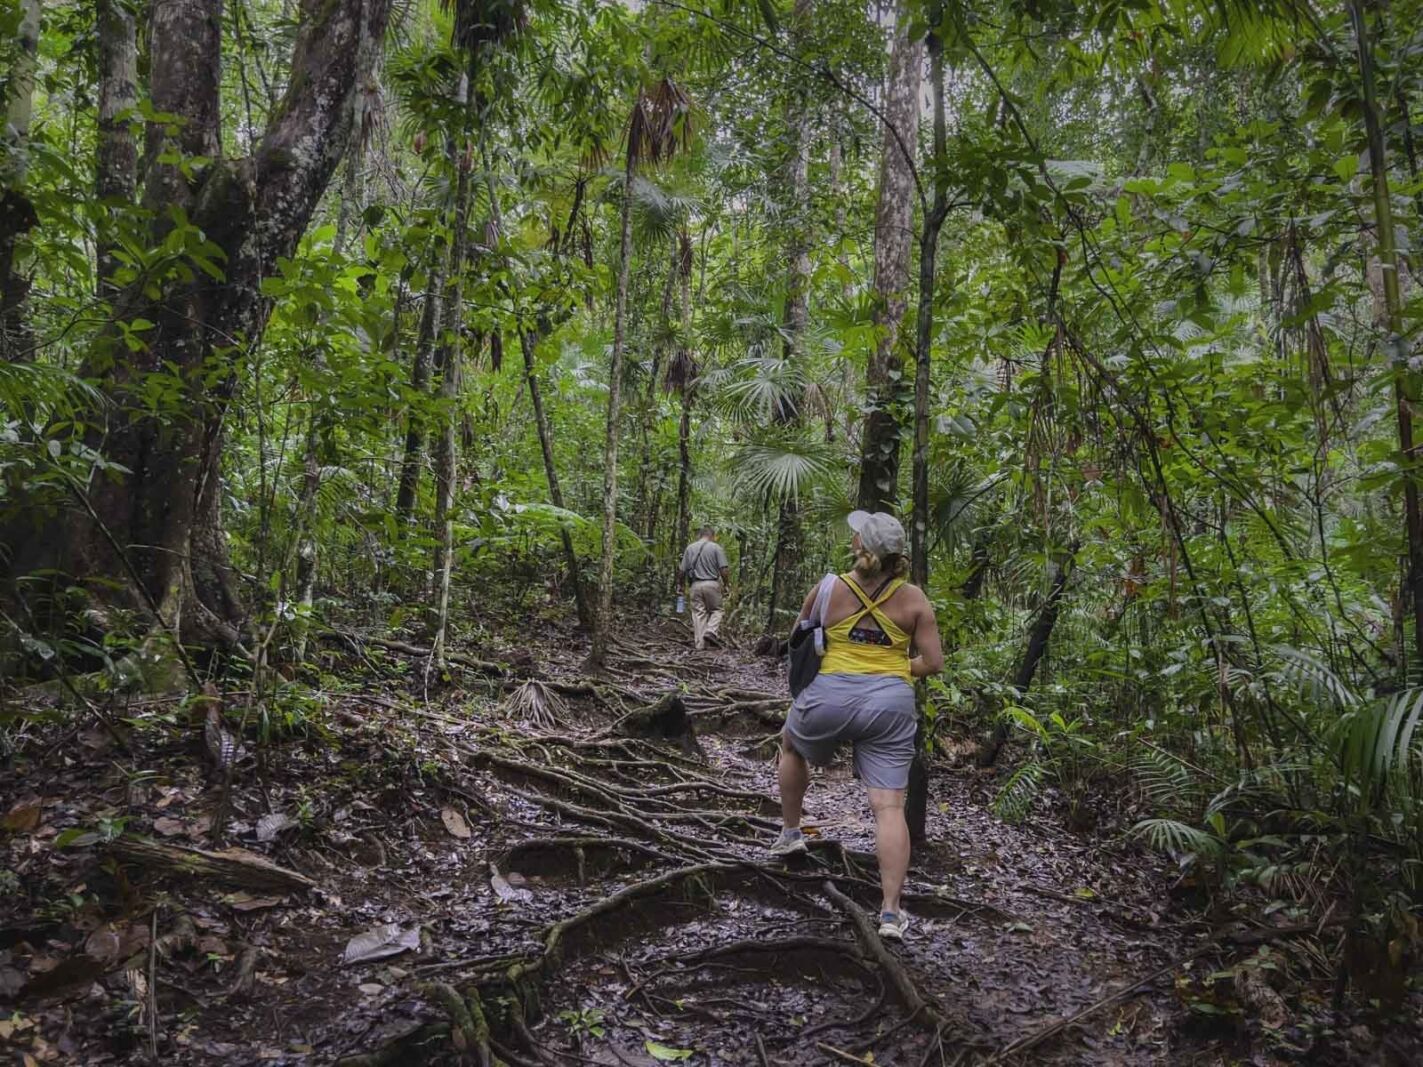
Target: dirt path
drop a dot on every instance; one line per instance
(635, 918)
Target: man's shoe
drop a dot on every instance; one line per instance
(713, 640)
(892, 925)
(790, 843)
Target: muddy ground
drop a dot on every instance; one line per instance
(396, 861)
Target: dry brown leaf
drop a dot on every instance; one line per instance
(22, 818)
(168, 826)
(454, 823)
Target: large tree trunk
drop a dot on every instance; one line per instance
(17, 213)
(116, 172)
(686, 382)
(879, 444)
(604, 620)
(916, 803)
(154, 532)
(1405, 388)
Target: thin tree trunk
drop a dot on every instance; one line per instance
(797, 313)
(414, 457)
(687, 379)
(17, 212)
(916, 802)
(555, 492)
(322, 416)
(448, 359)
(1039, 637)
(880, 441)
(603, 626)
(643, 509)
(1405, 391)
(116, 176)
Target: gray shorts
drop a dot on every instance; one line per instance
(875, 712)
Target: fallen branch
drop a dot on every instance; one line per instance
(497, 670)
(233, 866)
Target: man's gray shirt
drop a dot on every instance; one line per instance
(704, 561)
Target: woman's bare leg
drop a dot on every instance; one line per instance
(891, 843)
(794, 778)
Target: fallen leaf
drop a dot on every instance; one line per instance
(388, 939)
(454, 823)
(665, 1052)
(22, 818)
(371, 989)
(503, 890)
(1083, 893)
(168, 826)
(269, 826)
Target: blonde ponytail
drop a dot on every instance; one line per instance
(870, 565)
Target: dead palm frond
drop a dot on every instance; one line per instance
(681, 372)
(661, 125)
(535, 703)
(480, 22)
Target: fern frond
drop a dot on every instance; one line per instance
(1018, 792)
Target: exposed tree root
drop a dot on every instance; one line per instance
(874, 948)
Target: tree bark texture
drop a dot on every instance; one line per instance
(894, 213)
(154, 531)
(116, 170)
(17, 212)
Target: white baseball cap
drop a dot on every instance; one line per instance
(880, 532)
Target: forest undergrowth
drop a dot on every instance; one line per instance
(531, 866)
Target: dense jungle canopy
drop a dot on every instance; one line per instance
(365, 360)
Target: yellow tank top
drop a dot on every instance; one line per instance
(863, 654)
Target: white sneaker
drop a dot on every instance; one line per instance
(892, 926)
(789, 843)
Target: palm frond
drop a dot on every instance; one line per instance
(782, 468)
(1177, 838)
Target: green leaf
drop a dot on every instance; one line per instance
(666, 1053)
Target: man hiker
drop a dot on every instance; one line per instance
(704, 567)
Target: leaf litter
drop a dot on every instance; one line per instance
(685, 975)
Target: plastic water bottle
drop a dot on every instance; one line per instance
(681, 603)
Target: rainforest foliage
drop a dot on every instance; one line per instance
(339, 314)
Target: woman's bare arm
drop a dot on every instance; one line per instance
(930, 659)
(809, 605)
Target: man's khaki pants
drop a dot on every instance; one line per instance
(706, 612)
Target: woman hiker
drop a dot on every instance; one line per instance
(880, 634)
